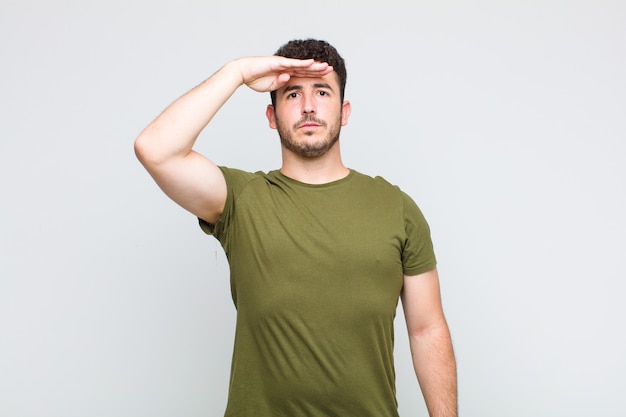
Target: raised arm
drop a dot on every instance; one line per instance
(431, 345)
(165, 147)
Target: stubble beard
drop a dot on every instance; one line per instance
(304, 148)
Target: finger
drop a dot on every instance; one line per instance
(312, 72)
(305, 64)
(313, 68)
(282, 79)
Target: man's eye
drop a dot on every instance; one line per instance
(293, 95)
(323, 93)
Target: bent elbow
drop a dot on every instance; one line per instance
(142, 151)
(147, 151)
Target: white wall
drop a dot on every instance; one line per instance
(504, 120)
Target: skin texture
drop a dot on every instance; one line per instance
(308, 114)
(304, 100)
(431, 345)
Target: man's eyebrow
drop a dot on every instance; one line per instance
(323, 85)
(292, 88)
(300, 87)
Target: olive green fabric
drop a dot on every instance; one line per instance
(316, 273)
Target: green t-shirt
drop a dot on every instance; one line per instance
(316, 273)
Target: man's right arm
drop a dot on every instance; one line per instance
(165, 147)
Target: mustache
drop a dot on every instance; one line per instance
(309, 119)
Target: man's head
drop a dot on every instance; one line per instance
(320, 51)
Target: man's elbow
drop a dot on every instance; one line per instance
(147, 152)
(433, 329)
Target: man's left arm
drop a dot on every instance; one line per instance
(430, 342)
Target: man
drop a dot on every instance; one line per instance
(319, 253)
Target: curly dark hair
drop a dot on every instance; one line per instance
(320, 51)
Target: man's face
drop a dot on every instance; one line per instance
(309, 114)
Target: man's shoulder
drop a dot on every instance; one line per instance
(374, 181)
(237, 178)
(238, 172)
(382, 187)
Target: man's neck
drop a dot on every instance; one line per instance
(327, 168)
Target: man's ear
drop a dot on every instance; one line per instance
(346, 109)
(271, 116)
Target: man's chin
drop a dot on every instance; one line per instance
(308, 146)
(308, 152)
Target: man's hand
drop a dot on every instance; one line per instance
(264, 74)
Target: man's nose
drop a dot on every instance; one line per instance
(308, 106)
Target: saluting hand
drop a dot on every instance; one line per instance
(264, 74)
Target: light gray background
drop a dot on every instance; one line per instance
(504, 120)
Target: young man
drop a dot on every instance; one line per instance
(319, 253)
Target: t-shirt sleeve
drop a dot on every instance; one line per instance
(418, 254)
(236, 180)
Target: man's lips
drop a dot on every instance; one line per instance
(309, 123)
